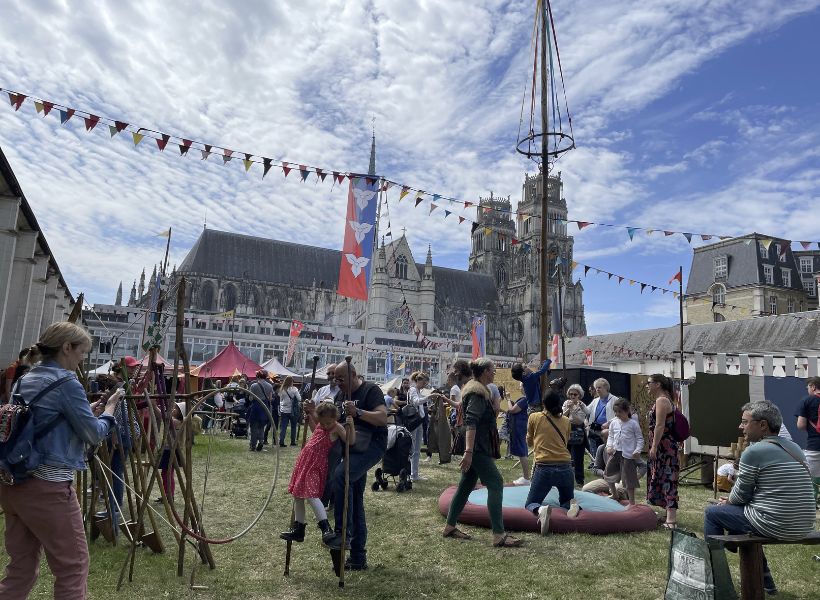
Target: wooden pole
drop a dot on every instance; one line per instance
(680, 299)
(304, 440)
(343, 544)
(543, 259)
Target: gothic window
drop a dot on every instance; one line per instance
(516, 330)
(401, 267)
(501, 277)
(229, 297)
(206, 296)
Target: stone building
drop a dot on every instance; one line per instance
(808, 263)
(747, 276)
(33, 293)
(269, 282)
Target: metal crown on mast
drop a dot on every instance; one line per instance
(548, 144)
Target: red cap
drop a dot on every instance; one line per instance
(131, 362)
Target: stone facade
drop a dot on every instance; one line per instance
(33, 293)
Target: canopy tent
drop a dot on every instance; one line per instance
(104, 369)
(229, 362)
(274, 367)
(393, 383)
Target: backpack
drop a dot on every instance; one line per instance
(680, 427)
(18, 457)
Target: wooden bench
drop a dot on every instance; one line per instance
(750, 548)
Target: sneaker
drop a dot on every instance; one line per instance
(544, 519)
(521, 481)
(573, 511)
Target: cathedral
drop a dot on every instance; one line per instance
(268, 281)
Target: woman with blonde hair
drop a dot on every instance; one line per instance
(42, 511)
(289, 401)
(419, 379)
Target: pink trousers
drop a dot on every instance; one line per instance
(44, 515)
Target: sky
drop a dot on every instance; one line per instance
(700, 117)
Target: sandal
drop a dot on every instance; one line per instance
(457, 534)
(669, 525)
(507, 541)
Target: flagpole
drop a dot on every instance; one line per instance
(167, 249)
(561, 328)
(380, 183)
(543, 266)
(680, 302)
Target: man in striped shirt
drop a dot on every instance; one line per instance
(773, 494)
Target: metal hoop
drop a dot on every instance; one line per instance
(564, 143)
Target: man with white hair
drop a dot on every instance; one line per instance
(601, 412)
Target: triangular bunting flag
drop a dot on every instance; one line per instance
(304, 172)
(247, 162)
(432, 208)
(688, 237)
(643, 286)
(206, 152)
(460, 220)
(805, 245)
(582, 224)
(705, 237)
(226, 156)
(631, 231)
(668, 233)
(447, 213)
(675, 294)
(17, 100)
(338, 177)
(137, 137)
(514, 242)
(677, 277)
(631, 282)
(572, 265)
(120, 125)
(650, 231)
(47, 106)
(586, 270)
(112, 130)
(609, 275)
(404, 191)
(163, 141)
(436, 198)
(286, 169)
(418, 200)
(184, 147)
(65, 115)
(766, 243)
(91, 122)
(38, 106)
(488, 231)
(467, 204)
(320, 174)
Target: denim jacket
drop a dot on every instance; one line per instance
(64, 445)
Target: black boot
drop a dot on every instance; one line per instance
(324, 527)
(296, 534)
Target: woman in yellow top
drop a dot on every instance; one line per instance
(548, 434)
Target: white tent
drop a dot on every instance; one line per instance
(393, 383)
(274, 367)
(104, 369)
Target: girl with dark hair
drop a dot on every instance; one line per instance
(548, 434)
(664, 467)
(479, 456)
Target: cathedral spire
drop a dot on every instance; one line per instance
(141, 288)
(132, 300)
(118, 301)
(371, 170)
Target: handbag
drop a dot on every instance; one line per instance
(576, 436)
(495, 442)
(697, 569)
(458, 441)
(410, 416)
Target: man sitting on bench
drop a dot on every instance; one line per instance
(773, 495)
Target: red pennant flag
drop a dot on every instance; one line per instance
(460, 220)
(91, 122)
(163, 141)
(226, 155)
(338, 177)
(266, 165)
(320, 174)
(467, 204)
(582, 224)
(705, 237)
(514, 241)
(668, 233)
(286, 169)
(184, 147)
(677, 277)
(16, 100)
(47, 106)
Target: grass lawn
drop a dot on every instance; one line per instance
(407, 556)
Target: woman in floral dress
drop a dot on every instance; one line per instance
(664, 467)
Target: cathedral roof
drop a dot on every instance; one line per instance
(239, 256)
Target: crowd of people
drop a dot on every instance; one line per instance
(771, 492)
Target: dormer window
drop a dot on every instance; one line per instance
(764, 252)
(721, 267)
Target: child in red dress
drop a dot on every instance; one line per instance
(307, 482)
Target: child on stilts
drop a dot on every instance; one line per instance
(307, 482)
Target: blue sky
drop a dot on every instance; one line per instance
(698, 116)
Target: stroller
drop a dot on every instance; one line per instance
(396, 461)
(239, 427)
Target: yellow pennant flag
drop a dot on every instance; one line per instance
(631, 282)
(248, 164)
(573, 265)
(404, 191)
(137, 137)
(38, 106)
(488, 231)
(649, 231)
(766, 243)
(228, 314)
(164, 234)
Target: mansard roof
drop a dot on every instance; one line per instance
(238, 256)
